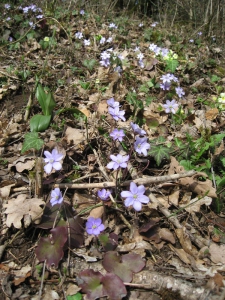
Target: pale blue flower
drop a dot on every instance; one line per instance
(104, 194)
(118, 161)
(94, 226)
(53, 161)
(7, 6)
(191, 41)
(199, 33)
(141, 145)
(105, 62)
(79, 35)
(105, 55)
(135, 196)
(152, 47)
(82, 12)
(117, 134)
(112, 25)
(141, 25)
(111, 102)
(39, 16)
(116, 113)
(102, 40)
(170, 106)
(141, 64)
(109, 40)
(140, 56)
(87, 42)
(56, 197)
(165, 86)
(137, 129)
(180, 92)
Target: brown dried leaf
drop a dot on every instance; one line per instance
(217, 253)
(166, 235)
(74, 135)
(22, 207)
(186, 242)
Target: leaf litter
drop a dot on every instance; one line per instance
(180, 229)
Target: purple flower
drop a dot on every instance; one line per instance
(39, 16)
(165, 86)
(171, 106)
(56, 197)
(166, 78)
(152, 47)
(111, 102)
(53, 161)
(7, 6)
(141, 64)
(137, 129)
(109, 40)
(104, 194)
(102, 40)
(82, 12)
(118, 69)
(141, 145)
(94, 226)
(79, 35)
(140, 56)
(105, 62)
(191, 41)
(135, 196)
(180, 92)
(164, 52)
(105, 55)
(116, 113)
(117, 134)
(87, 42)
(118, 161)
(199, 33)
(112, 25)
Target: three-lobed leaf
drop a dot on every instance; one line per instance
(123, 266)
(51, 248)
(31, 140)
(159, 152)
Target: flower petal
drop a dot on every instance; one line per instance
(137, 205)
(133, 188)
(57, 166)
(48, 168)
(129, 201)
(143, 199)
(110, 165)
(126, 194)
(141, 189)
(48, 154)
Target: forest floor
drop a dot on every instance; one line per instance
(112, 158)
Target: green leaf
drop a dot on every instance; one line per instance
(159, 152)
(31, 140)
(187, 165)
(39, 123)
(77, 296)
(172, 65)
(89, 63)
(46, 101)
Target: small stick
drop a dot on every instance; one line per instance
(145, 181)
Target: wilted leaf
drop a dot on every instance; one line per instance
(123, 266)
(95, 285)
(67, 217)
(22, 207)
(51, 247)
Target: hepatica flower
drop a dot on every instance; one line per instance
(118, 161)
(116, 113)
(170, 106)
(94, 226)
(104, 194)
(117, 134)
(53, 161)
(135, 196)
(79, 35)
(56, 197)
(180, 92)
(111, 102)
(141, 145)
(137, 129)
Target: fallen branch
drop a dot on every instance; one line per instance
(106, 184)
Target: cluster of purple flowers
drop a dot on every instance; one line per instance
(114, 110)
(79, 36)
(158, 50)
(105, 59)
(32, 8)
